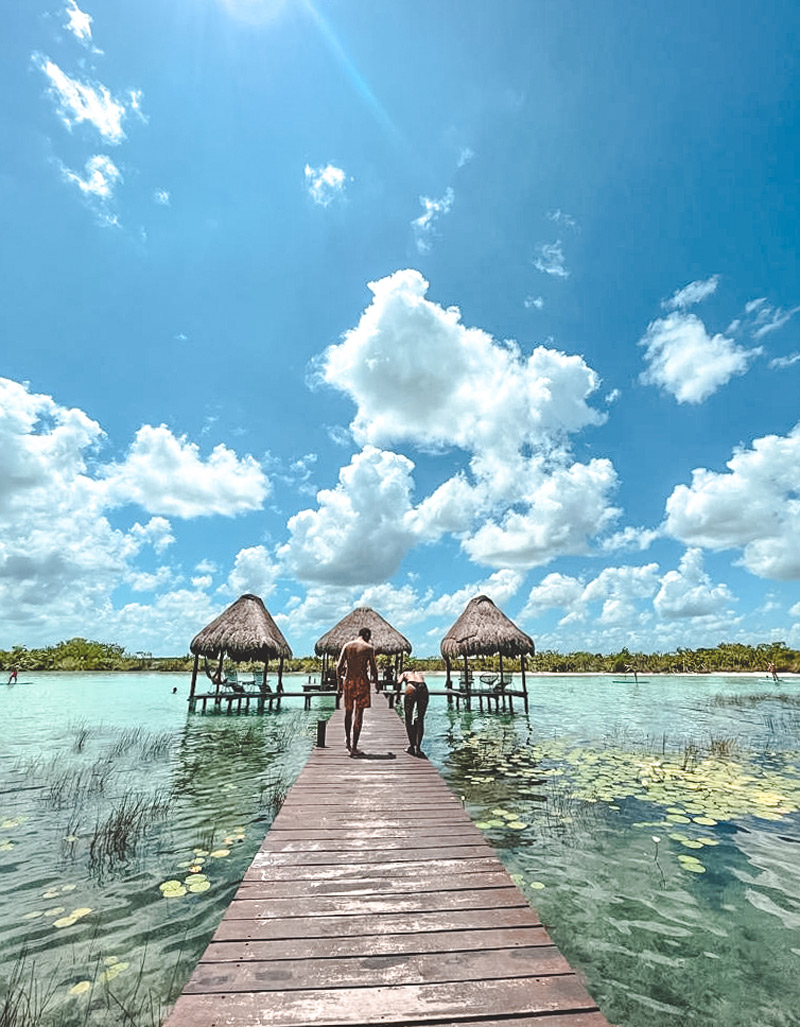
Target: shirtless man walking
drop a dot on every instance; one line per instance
(354, 670)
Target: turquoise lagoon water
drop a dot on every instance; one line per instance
(655, 827)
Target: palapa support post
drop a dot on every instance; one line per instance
(192, 700)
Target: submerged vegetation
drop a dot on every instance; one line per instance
(79, 654)
(101, 832)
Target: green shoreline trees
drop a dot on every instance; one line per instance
(85, 655)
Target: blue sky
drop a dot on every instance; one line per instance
(391, 304)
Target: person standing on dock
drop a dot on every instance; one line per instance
(355, 669)
(415, 702)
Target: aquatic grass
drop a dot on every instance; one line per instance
(82, 732)
(115, 839)
(157, 746)
(127, 740)
(755, 699)
(26, 997)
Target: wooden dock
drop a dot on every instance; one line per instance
(375, 900)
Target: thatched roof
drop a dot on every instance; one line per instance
(483, 630)
(245, 631)
(385, 639)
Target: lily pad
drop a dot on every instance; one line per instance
(172, 889)
(80, 988)
(220, 853)
(113, 971)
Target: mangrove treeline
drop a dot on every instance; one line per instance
(85, 655)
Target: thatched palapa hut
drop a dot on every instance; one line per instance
(483, 630)
(245, 631)
(386, 640)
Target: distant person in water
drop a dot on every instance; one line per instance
(634, 671)
(354, 671)
(12, 677)
(415, 704)
(773, 671)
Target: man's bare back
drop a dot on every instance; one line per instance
(356, 659)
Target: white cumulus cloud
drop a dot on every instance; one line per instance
(358, 534)
(564, 510)
(325, 184)
(416, 374)
(755, 507)
(165, 474)
(688, 591)
(684, 360)
(253, 572)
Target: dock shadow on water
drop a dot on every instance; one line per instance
(119, 851)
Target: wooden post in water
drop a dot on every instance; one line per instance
(524, 686)
(192, 700)
(262, 697)
(466, 683)
(218, 676)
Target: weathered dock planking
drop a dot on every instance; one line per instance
(375, 900)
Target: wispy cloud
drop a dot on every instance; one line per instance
(80, 101)
(560, 217)
(424, 225)
(550, 259)
(100, 178)
(692, 293)
(787, 361)
(465, 156)
(162, 197)
(766, 318)
(78, 22)
(536, 302)
(97, 185)
(325, 184)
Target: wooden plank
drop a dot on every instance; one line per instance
(235, 928)
(268, 870)
(365, 884)
(379, 970)
(367, 905)
(463, 940)
(384, 1005)
(309, 856)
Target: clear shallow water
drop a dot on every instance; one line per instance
(699, 927)
(109, 790)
